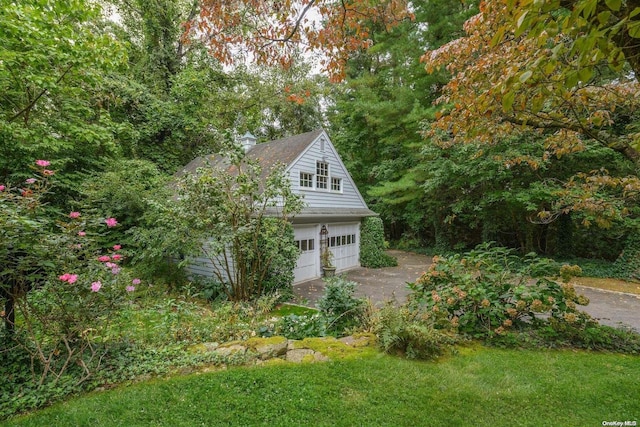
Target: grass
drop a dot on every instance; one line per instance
(617, 285)
(477, 387)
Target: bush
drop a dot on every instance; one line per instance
(65, 286)
(490, 290)
(339, 307)
(401, 330)
(296, 327)
(557, 334)
(372, 245)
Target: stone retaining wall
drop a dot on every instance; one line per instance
(280, 349)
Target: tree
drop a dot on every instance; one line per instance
(378, 112)
(562, 70)
(236, 215)
(53, 61)
(558, 73)
(271, 32)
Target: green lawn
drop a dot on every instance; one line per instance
(477, 387)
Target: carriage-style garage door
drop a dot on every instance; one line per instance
(308, 266)
(344, 243)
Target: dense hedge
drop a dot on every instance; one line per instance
(372, 253)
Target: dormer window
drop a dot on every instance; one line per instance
(322, 175)
(321, 180)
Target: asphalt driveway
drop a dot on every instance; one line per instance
(383, 284)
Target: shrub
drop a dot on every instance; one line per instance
(122, 191)
(372, 245)
(489, 291)
(65, 286)
(338, 305)
(627, 265)
(402, 330)
(297, 327)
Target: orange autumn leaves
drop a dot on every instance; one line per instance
(274, 32)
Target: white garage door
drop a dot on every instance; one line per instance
(344, 243)
(308, 263)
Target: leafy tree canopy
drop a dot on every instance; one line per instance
(568, 70)
(53, 58)
(271, 32)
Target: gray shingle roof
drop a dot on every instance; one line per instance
(269, 154)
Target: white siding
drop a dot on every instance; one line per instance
(203, 266)
(349, 197)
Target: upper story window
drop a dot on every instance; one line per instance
(306, 180)
(322, 175)
(336, 184)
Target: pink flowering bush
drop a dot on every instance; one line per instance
(61, 286)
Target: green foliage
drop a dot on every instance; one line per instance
(372, 245)
(61, 290)
(379, 112)
(120, 363)
(592, 337)
(122, 191)
(297, 327)
(279, 276)
(54, 62)
(237, 217)
(402, 330)
(628, 263)
(489, 291)
(338, 305)
(153, 333)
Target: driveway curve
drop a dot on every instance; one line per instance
(382, 284)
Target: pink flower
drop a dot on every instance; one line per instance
(47, 172)
(131, 288)
(74, 215)
(81, 233)
(2, 187)
(43, 163)
(95, 286)
(70, 278)
(116, 257)
(116, 247)
(104, 258)
(115, 270)
(110, 265)
(111, 222)
(30, 180)
(136, 281)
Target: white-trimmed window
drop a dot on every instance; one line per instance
(306, 245)
(306, 180)
(322, 175)
(336, 184)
